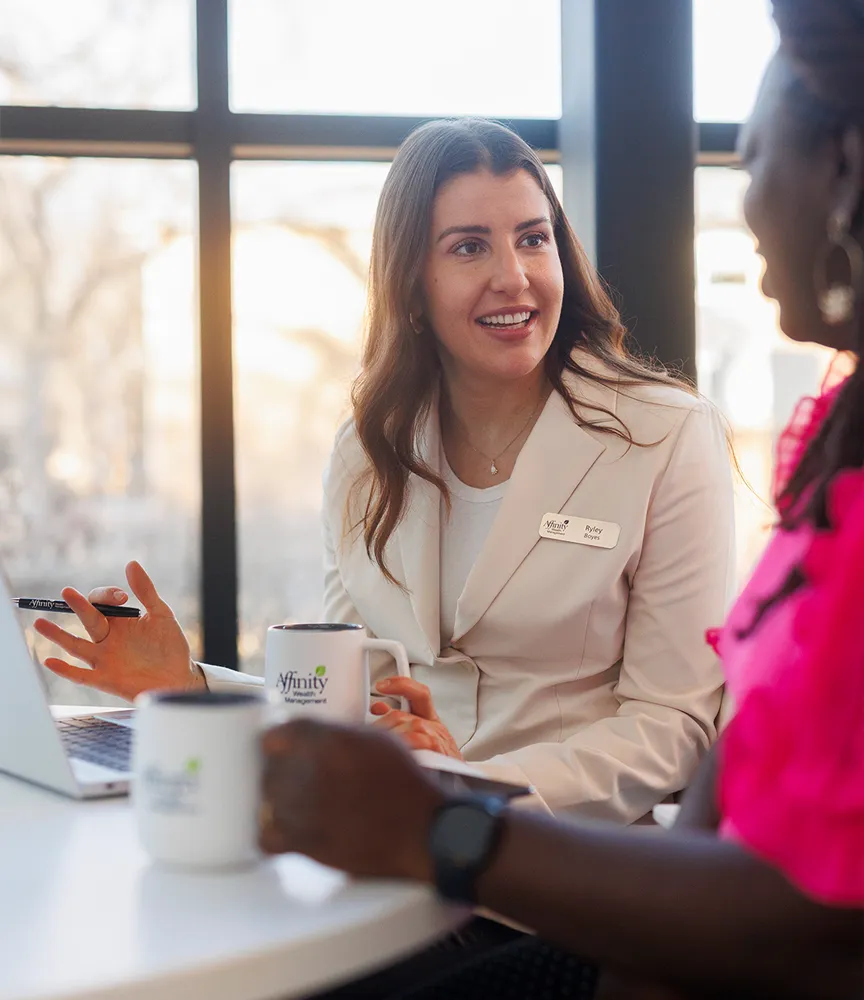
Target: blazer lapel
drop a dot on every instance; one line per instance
(552, 463)
(418, 536)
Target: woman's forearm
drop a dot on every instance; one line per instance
(682, 908)
(698, 812)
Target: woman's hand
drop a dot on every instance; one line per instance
(347, 797)
(126, 655)
(420, 728)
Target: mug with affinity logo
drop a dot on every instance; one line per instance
(196, 765)
(322, 669)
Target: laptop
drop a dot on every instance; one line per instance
(83, 756)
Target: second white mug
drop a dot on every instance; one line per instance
(197, 772)
(321, 668)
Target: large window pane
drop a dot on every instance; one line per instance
(732, 43)
(746, 366)
(487, 57)
(98, 415)
(99, 53)
(301, 250)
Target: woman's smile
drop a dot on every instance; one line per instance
(511, 324)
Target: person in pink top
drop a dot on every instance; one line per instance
(758, 891)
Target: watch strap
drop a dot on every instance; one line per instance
(456, 878)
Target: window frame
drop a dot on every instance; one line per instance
(214, 137)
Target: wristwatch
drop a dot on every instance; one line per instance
(463, 838)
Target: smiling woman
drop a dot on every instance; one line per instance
(496, 391)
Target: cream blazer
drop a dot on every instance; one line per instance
(581, 670)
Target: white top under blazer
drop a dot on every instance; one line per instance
(581, 670)
(463, 535)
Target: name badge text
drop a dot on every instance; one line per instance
(580, 530)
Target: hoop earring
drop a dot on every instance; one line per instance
(837, 303)
(415, 326)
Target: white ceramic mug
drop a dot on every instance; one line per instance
(196, 764)
(322, 669)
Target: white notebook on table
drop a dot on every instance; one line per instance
(460, 777)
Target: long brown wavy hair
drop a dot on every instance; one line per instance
(401, 369)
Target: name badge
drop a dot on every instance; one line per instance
(580, 531)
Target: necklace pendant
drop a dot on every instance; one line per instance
(493, 469)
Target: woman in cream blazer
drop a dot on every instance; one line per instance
(579, 668)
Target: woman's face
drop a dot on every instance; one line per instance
(492, 282)
(793, 191)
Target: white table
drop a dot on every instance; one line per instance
(83, 914)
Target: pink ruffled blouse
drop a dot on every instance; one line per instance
(792, 766)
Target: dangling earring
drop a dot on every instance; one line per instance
(837, 302)
(415, 326)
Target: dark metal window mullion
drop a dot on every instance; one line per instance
(212, 142)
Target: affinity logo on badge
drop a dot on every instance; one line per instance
(556, 527)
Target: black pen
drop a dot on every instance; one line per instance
(61, 607)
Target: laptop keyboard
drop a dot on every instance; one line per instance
(97, 741)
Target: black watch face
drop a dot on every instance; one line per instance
(462, 835)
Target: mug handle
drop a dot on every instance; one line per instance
(397, 651)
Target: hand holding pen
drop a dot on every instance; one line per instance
(146, 651)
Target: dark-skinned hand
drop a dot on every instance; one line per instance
(350, 798)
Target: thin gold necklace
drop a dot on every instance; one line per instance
(493, 467)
